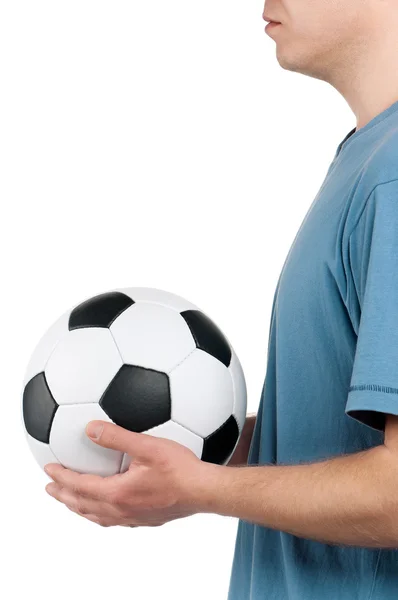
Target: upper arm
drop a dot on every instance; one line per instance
(373, 391)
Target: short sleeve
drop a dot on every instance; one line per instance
(373, 251)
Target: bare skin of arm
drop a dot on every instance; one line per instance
(345, 500)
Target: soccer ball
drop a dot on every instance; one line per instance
(144, 359)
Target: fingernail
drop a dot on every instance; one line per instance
(94, 430)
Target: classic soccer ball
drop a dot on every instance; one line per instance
(144, 359)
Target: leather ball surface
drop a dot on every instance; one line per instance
(145, 359)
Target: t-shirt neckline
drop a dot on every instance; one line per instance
(354, 133)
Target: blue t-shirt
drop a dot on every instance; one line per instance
(332, 367)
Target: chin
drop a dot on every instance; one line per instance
(286, 63)
(291, 61)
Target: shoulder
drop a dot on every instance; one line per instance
(377, 178)
(382, 164)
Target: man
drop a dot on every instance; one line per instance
(332, 373)
(317, 501)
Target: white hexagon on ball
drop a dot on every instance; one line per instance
(74, 449)
(41, 452)
(202, 393)
(46, 345)
(152, 336)
(82, 366)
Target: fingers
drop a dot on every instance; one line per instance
(80, 504)
(103, 521)
(97, 512)
(112, 436)
(92, 486)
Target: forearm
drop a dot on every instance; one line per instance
(348, 500)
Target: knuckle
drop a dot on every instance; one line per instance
(113, 438)
(81, 509)
(125, 511)
(101, 493)
(159, 456)
(114, 496)
(120, 510)
(75, 487)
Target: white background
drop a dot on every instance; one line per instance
(142, 144)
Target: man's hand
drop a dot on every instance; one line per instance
(165, 481)
(241, 453)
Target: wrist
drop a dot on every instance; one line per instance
(213, 488)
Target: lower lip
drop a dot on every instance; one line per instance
(271, 25)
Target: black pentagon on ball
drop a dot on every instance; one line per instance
(138, 398)
(39, 408)
(99, 311)
(220, 444)
(208, 337)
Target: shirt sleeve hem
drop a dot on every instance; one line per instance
(370, 407)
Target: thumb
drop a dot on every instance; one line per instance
(114, 437)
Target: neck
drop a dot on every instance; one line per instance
(369, 78)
